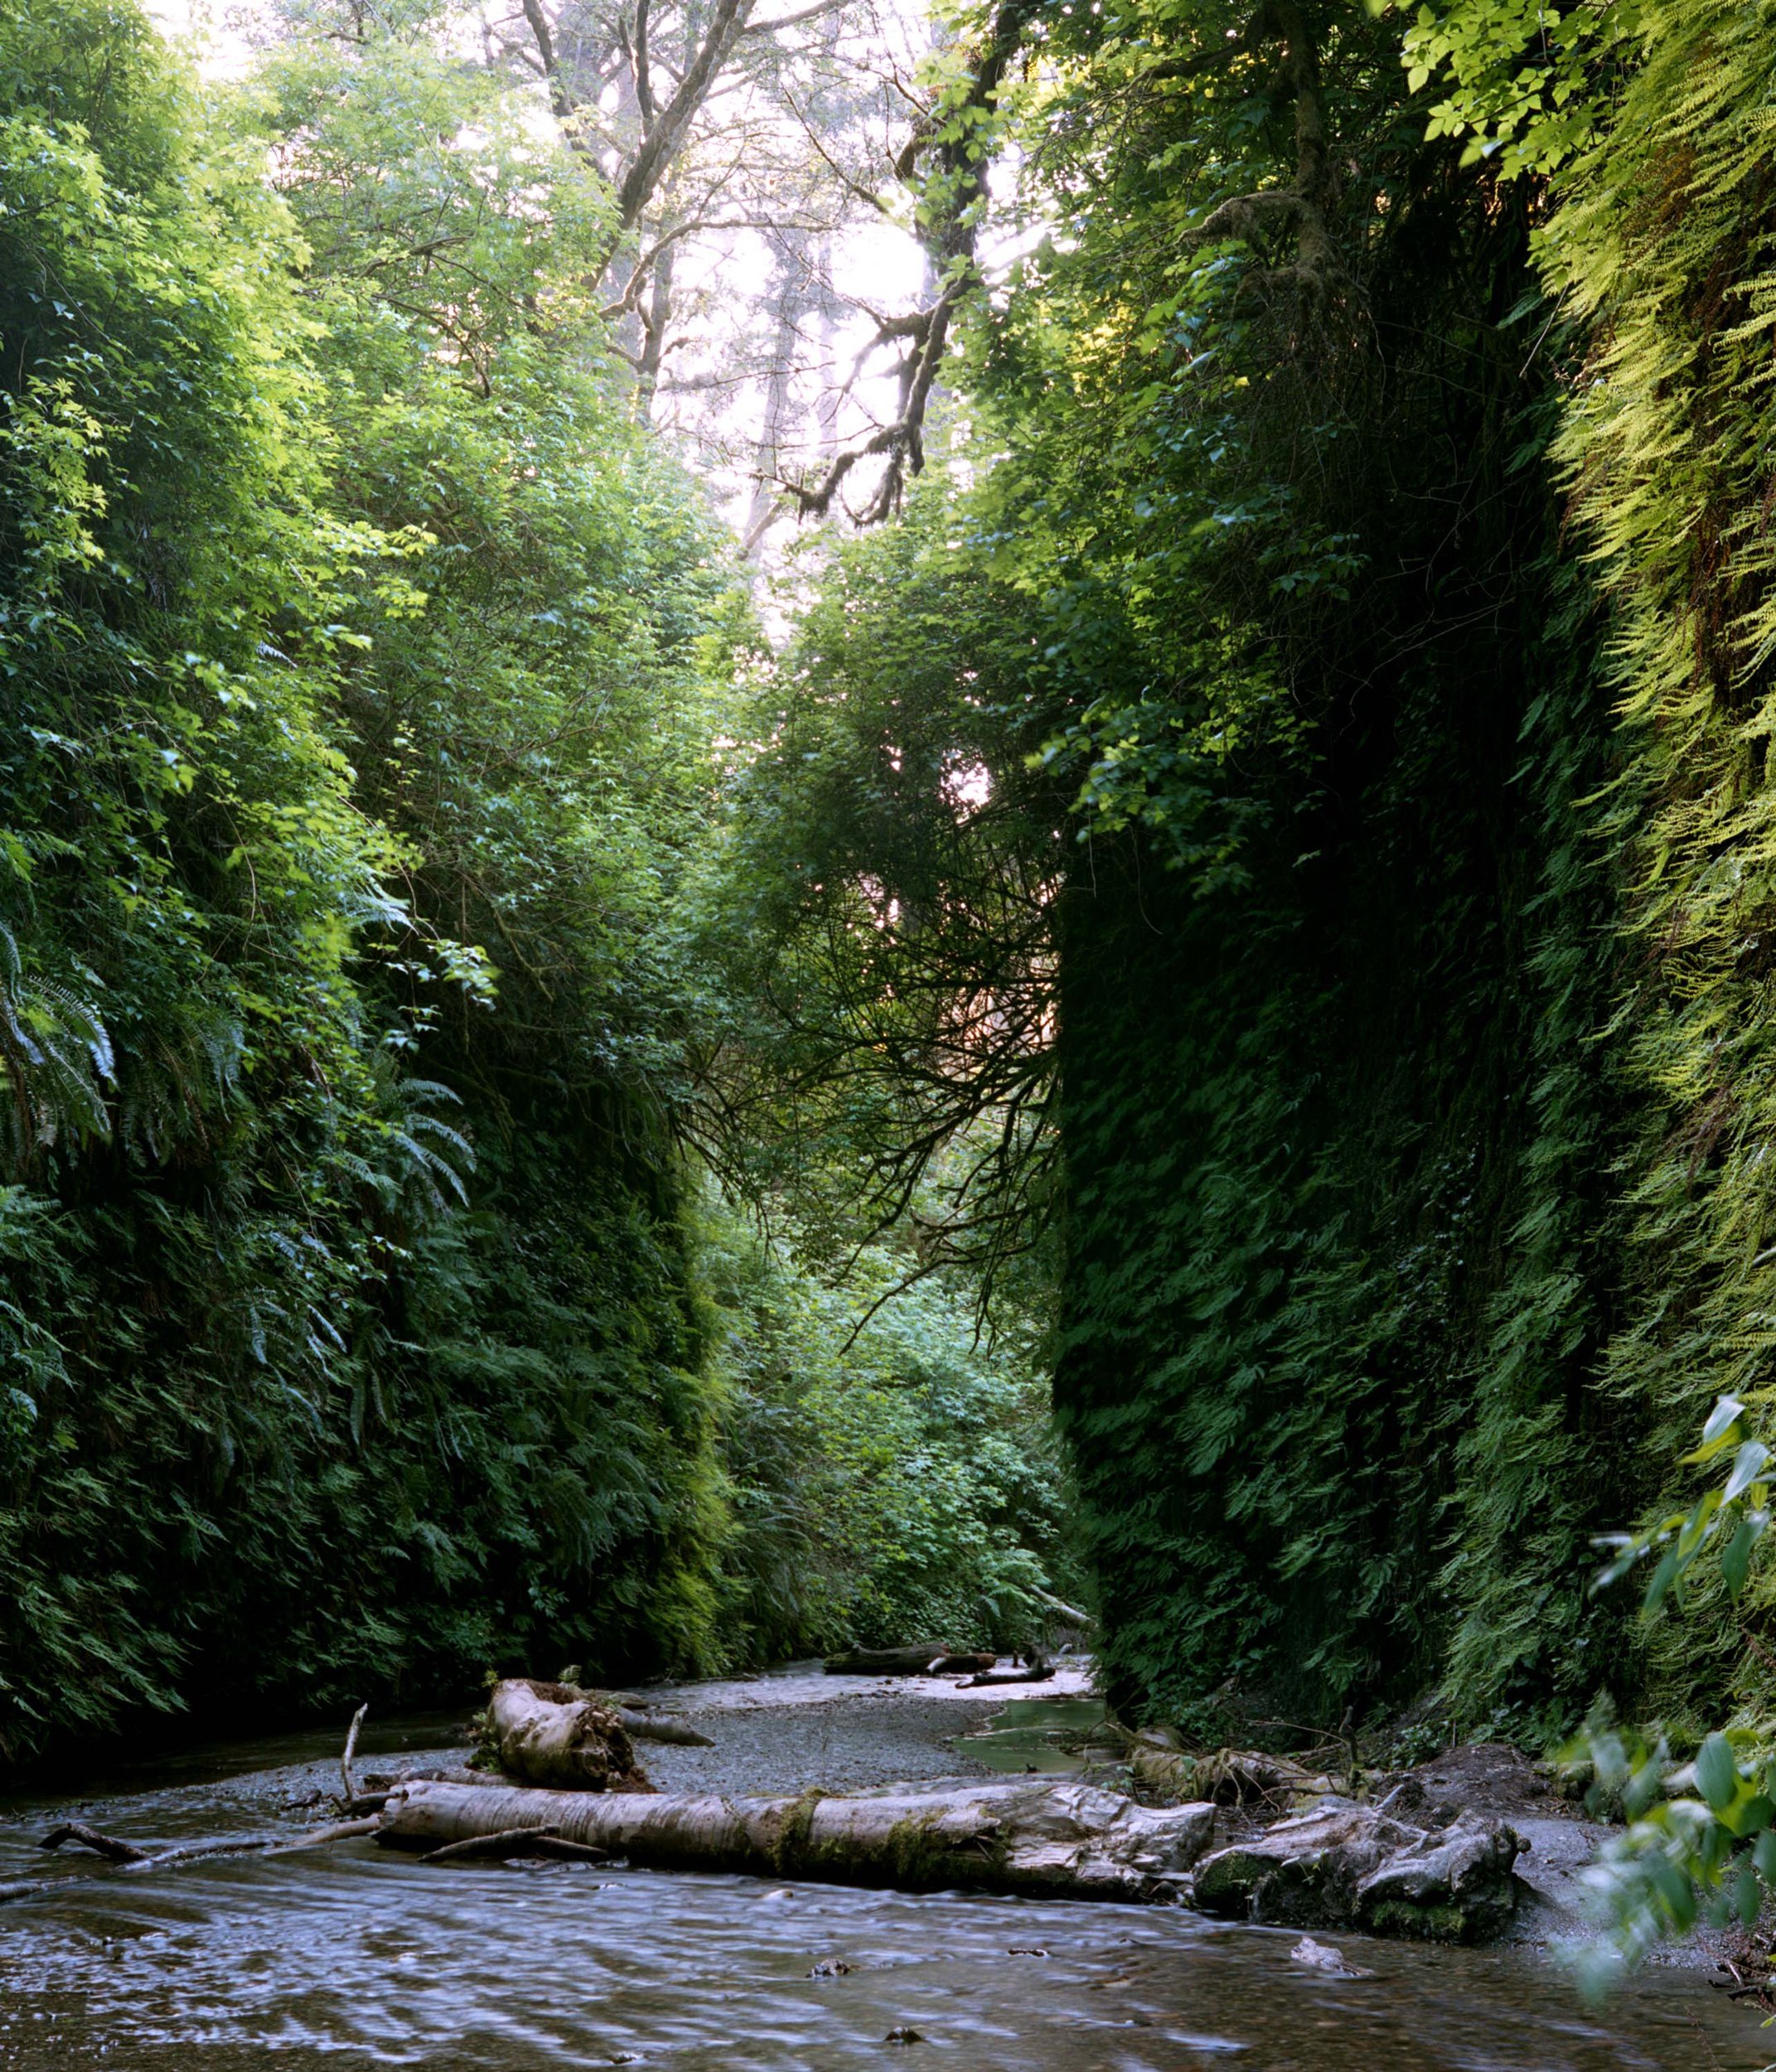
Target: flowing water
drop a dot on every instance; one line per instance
(349, 1957)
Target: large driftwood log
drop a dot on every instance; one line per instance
(913, 1661)
(1038, 1673)
(554, 1734)
(1059, 1840)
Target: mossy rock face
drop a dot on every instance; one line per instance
(1423, 1923)
(1226, 1881)
(1454, 1885)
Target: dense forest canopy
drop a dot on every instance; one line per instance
(1166, 1002)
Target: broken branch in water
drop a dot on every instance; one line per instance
(317, 1837)
(518, 1841)
(350, 1750)
(112, 1847)
(128, 1858)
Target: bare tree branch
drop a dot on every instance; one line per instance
(794, 21)
(950, 199)
(663, 136)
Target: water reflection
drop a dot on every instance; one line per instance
(354, 1958)
(1046, 1736)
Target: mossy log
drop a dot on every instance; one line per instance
(1052, 1839)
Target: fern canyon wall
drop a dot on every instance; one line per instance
(1409, 1108)
(1334, 1128)
(370, 1315)
(1348, 604)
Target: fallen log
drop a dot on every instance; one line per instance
(1038, 1673)
(1060, 1607)
(1234, 1777)
(1053, 1839)
(648, 1726)
(641, 1721)
(913, 1661)
(1348, 1866)
(554, 1733)
(126, 1859)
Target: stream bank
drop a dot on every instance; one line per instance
(350, 1958)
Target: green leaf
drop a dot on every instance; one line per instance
(1736, 1563)
(1752, 1817)
(1717, 1772)
(1674, 1887)
(1663, 1576)
(1748, 1465)
(1718, 1432)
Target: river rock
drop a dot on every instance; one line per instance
(1453, 1885)
(1346, 1866)
(1322, 1957)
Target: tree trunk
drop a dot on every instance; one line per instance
(1052, 1839)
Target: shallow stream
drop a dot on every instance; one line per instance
(351, 1957)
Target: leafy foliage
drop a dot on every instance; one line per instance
(310, 679)
(1700, 1844)
(1273, 485)
(894, 1477)
(363, 657)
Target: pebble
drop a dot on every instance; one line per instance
(1323, 1957)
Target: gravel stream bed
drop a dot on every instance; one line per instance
(854, 1742)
